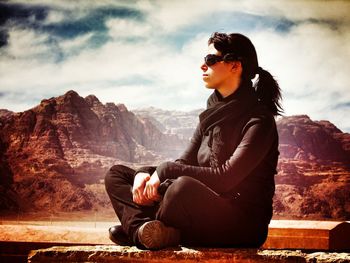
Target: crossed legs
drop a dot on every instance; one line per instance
(202, 216)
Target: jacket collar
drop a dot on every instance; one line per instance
(231, 107)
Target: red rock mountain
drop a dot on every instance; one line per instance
(303, 139)
(313, 177)
(53, 156)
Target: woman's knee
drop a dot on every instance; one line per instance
(181, 188)
(112, 175)
(176, 205)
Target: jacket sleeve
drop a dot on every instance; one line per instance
(146, 169)
(189, 157)
(258, 136)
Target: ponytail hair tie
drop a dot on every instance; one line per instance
(259, 70)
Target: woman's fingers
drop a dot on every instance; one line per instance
(146, 193)
(149, 191)
(155, 191)
(136, 196)
(154, 182)
(151, 194)
(138, 189)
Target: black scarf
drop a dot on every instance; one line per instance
(222, 109)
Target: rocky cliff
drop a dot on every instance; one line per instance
(52, 154)
(313, 177)
(303, 139)
(180, 123)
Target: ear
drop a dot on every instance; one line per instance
(236, 66)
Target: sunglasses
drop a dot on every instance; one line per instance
(212, 59)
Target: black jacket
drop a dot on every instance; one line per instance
(236, 157)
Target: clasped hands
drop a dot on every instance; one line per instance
(145, 189)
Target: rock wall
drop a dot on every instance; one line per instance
(50, 153)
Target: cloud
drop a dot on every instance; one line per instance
(342, 105)
(25, 44)
(121, 28)
(309, 62)
(146, 53)
(20, 13)
(77, 4)
(172, 15)
(55, 17)
(78, 42)
(313, 9)
(64, 19)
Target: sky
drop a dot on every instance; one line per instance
(148, 53)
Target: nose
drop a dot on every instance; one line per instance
(204, 67)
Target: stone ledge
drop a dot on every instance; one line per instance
(182, 254)
(307, 234)
(283, 234)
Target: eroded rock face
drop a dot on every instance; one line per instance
(313, 179)
(303, 139)
(171, 122)
(48, 154)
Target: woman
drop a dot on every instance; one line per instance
(219, 192)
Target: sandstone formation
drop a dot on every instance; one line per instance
(52, 154)
(303, 139)
(313, 177)
(171, 122)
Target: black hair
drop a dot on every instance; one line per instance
(266, 87)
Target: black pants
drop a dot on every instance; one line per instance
(203, 217)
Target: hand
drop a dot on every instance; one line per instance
(151, 188)
(138, 189)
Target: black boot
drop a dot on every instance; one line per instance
(118, 236)
(155, 235)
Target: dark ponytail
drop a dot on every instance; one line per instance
(268, 91)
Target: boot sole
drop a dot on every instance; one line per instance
(155, 235)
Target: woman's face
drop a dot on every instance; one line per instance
(218, 75)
